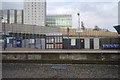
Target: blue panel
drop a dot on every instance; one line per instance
(19, 43)
(111, 46)
(58, 67)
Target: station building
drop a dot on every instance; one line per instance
(45, 38)
(89, 39)
(33, 36)
(30, 35)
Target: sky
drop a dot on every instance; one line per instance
(103, 13)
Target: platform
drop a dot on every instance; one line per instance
(28, 50)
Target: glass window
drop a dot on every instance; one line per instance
(60, 40)
(51, 40)
(56, 39)
(50, 46)
(47, 46)
(47, 40)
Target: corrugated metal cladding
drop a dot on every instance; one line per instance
(54, 41)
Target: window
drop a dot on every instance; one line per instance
(49, 46)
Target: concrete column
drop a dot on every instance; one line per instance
(96, 43)
(87, 43)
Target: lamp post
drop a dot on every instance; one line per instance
(12, 37)
(68, 30)
(78, 30)
(33, 35)
(4, 30)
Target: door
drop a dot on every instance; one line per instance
(91, 44)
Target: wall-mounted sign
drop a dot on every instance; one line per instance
(32, 41)
(73, 42)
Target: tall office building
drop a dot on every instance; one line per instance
(35, 12)
(13, 16)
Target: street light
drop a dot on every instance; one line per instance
(33, 36)
(78, 30)
(4, 31)
(68, 30)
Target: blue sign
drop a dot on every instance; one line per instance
(111, 46)
(18, 43)
(58, 67)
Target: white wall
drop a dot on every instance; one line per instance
(87, 43)
(96, 43)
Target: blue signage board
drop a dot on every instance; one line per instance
(111, 46)
(18, 43)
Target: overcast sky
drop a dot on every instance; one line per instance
(103, 13)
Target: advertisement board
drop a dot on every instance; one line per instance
(73, 42)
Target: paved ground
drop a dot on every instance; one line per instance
(32, 70)
(31, 50)
(34, 49)
(21, 49)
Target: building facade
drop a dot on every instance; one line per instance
(59, 20)
(33, 36)
(89, 39)
(35, 12)
(13, 16)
